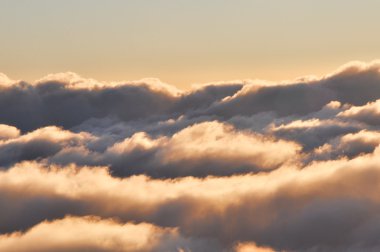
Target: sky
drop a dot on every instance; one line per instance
(107, 146)
(185, 42)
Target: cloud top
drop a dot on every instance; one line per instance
(227, 166)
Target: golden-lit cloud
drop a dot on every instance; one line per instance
(368, 113)
(235, 166)
(8, 132)
(209, 148)
(91, 234)
(251, 247)
(251, 206)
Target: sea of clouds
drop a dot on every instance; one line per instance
(230, 166)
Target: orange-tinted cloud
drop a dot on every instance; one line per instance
(245, 166)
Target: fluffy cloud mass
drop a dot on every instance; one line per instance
(235, 166)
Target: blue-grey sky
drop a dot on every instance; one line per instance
(185, 41)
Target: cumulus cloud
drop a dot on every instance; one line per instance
(300, 98)
(208, 148)
(328, 205)
(230, 166)
(252, 247)
(349, 145)
(314, 132)
(68, 100)
(368, 113)
(38, 144)
(65, 103)
(90, 233)
(5, 80)
(8, 132)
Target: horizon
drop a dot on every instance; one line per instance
(185, 42)
(194, 86)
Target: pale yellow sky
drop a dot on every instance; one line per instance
(185, 42)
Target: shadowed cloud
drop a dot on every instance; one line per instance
(225, 166)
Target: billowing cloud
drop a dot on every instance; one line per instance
(68, 103)
(230, 166)
(90, 233)
(38, 144)
(368, 113)
(252, 247)
(68, 100)
(209, 148)
(5, 80)
(349, 145)
(355, 83)
(8, 132)
(289, 208)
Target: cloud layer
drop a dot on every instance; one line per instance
(234, 166)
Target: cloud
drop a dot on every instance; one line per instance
(38, 144)
(208, 148)
(252, 247)
(5, 80)
(8, 132)
(91, 233)
(300, 98)
(368, 113)
(228, 166)
(329, 205)
(67, 100)
(349, 145)
(68, 103)
(314, 132)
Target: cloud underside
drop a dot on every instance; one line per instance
(235, 166)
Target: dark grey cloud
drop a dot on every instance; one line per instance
(69, 101)
(29, 106)
(349, 145)
(42, 143)
(355, 84)
(313, 133)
